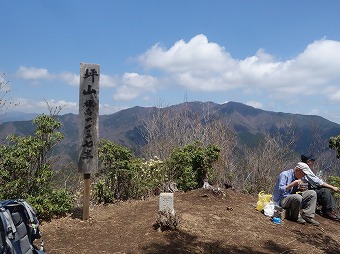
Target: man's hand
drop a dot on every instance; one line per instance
(292, 184)
(334, 188)
(296, 182)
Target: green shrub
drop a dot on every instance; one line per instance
(192, 164)
(122, 177)
(113, 179)
(335, 181)
(102, 192)
(25, 169)
(54, 204)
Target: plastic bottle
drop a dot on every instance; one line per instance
(42, 245)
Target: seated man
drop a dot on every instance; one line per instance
(322, 189)
(300, 207)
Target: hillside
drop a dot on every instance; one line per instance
(126, 126)
(208, 224)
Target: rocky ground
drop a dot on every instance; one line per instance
(208, 223)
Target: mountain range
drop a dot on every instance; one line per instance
(125, 127)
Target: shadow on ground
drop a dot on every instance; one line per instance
(77, 213)
(181, 242)
(320, 241)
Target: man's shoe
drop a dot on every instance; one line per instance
(311, 221)
(331, 215)
(318, 211)
(300, 220)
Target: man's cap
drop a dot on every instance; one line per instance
(304, 167)
(306, 157)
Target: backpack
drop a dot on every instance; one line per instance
(19, 227)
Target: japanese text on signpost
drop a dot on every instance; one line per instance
(88, 118)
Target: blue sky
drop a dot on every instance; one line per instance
(282, 56)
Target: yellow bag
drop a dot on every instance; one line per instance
(263, 200)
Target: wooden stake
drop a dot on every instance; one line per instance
(86, 204)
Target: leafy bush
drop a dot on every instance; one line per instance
(150, 176)
(102, 192)
(335, 181)
(192, 164)
(121, 176)
(25, 169)
(54, 204)
(334, 143)
(114, 174)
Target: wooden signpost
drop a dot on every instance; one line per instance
(88, 127)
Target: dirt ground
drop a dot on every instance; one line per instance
(209, 223)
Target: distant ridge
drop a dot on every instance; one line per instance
(12, 116)
(126, 126)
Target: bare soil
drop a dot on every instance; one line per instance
(209, 223)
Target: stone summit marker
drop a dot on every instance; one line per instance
(88, 127)
(166, 202)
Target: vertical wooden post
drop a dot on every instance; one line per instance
(88, 128)
(86, 203)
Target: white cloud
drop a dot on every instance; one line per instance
(67, 106)
(255, 104)
(105, 109)
(196, 65)
(197, 54)
(32, 106)
(135, 85)
(4, 85)
(200, 65)
(314, 112)
(107, 81)
(126, 93)
(33, 73)
(334, 97)
(72, 79)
